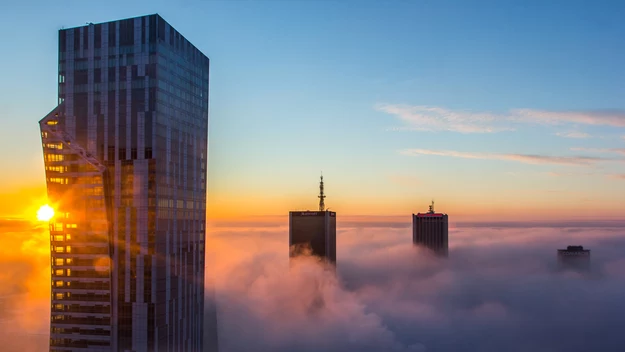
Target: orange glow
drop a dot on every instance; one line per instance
(45, 213)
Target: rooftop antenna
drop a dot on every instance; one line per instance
(431, 211)
(322, 196)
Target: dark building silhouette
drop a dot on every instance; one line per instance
(574, 258)
(313, 232)
(125, 155)
(430, 230)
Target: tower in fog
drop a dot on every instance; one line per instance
(430, 230)
(125, 155)
(313, 231)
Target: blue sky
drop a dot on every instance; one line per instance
(300, 86)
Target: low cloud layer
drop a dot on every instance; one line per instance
(498, 291)
(24, 286)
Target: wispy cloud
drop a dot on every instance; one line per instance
(433, 118)
(573, 134)
(600, 150)
(522, 158)
(614, 118)
(562, 174)
(618, 176)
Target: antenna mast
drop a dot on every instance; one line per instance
(322, 205)
(432, 207)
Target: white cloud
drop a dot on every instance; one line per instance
(429, 118)
(433, 118)
(522, 158)
(614, 118)
(573, 134)
(600, 150)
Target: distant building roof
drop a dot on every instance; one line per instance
(574, 249)
(430, 215)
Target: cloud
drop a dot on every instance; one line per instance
(433, 118)
(618, 176)
(428, 118)
(573, 134)
(606, 118)
(499, 290)
(601, 150)
(522, 158)
(561, 174)
(24, 286)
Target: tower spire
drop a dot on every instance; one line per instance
(322, 205)
(432, 207)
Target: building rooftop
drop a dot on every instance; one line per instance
(574, 249)
(431, 213)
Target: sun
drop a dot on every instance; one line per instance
(45, 213)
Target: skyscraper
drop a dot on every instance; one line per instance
(574, 258)
(430, 230)
(125, 154)
(313, 231)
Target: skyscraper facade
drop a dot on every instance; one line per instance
(313, 231)
(430, 230)
(125, 155)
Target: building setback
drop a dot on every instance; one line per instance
(574, 258)
(125, 155)
(430, 230)
(313, 231)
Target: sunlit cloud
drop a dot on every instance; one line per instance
(606, 118)
(562, 174)
(390, 296)
(617, 176)
(600, 150)
(433, 118)
(24, 286)
(521, 158)
(387, 296)
(573, 134)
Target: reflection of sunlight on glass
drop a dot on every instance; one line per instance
(45, 213)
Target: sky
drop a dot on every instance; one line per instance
(508, 110)
(499, 290)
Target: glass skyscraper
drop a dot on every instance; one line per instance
(125, 155)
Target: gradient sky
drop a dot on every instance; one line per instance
(496, 109)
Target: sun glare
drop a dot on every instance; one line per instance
(45, 213)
